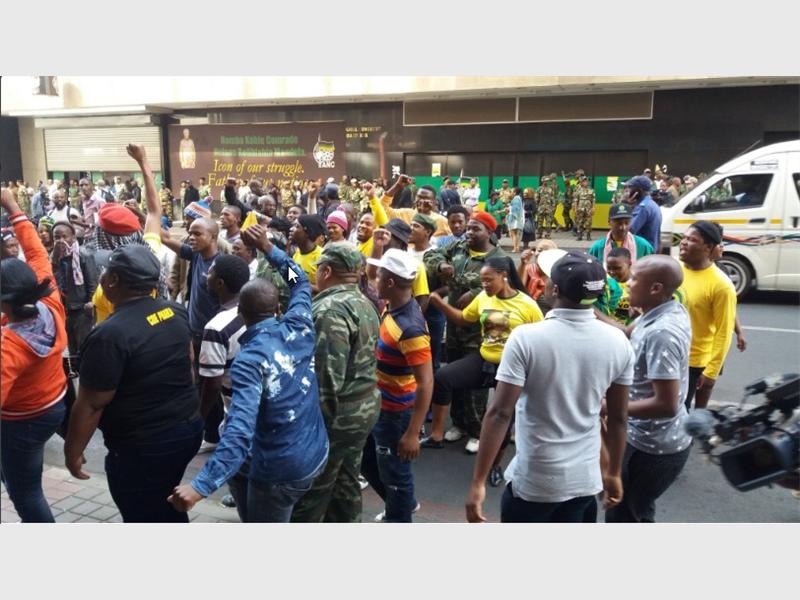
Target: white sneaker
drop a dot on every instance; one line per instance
(472, 446)
(362, 482)
(454, 434)
(381, 516)
(206, 447)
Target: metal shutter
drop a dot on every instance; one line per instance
(100, 149)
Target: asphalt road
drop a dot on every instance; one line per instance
(701, 494)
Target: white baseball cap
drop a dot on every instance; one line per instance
(399, 262)
(545, 260)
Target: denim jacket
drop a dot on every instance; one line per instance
(275, 413)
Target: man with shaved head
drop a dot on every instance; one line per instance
(230, 220)
(275, 443)
(201, 251)
(657, 447)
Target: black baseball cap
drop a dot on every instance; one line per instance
(312, 225)
(579, 277)
(399, 229)
(620, 211)
(134, 264)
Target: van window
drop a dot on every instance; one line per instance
(732, 193)
(796, 177)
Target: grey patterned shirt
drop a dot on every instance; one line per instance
(661, 342)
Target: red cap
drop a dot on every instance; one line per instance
(485, 218)
(118, 220)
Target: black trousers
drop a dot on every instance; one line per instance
(644, 478)
(470, 372)
(694, 375)
(576, 510)
(217, 412)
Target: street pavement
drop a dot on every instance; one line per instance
(700, 495)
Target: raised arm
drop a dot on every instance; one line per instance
(247, 379)
(152, 223)
(453, 314)
(171, 243)
(295, 277)
(312, 198)
(35, 252)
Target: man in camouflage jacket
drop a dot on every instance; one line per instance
(347, 329)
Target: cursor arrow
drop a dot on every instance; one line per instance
(292, 275)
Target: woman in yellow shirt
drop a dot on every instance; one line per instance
(500, 307)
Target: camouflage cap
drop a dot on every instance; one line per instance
(429, 222)
(343, 255)
(545, 178)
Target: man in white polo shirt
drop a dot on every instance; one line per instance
(555, 474)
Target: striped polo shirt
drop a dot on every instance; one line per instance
(403, 343)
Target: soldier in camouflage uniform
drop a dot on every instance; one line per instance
(460, 271)
(506, 192)
(344, 190)
(545, 208)
(584, 208)
(203, 188)
(165, 195)
(22, 197)
(357, 196)
(347, 329)
(266, 271)
(288, 198)
(619, 193)
(570, 184)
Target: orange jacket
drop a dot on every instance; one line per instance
(30, 383)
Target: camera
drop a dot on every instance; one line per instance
(759, 446)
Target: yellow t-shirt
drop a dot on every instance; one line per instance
(622, 314)
(383, 211)
(476, 254)
(366, 248)
(102, 307)
(420, 285)
(498, 317)
(710, 298)
(308, 262)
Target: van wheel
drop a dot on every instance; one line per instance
(739, 273)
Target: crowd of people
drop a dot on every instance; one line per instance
(305, 338)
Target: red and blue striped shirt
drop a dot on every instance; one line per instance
(403, 343)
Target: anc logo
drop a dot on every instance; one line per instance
(323, 153)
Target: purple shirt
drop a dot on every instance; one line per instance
(90, 209)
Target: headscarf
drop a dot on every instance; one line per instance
(74, 252)
(110, 242)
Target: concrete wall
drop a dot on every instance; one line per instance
(96, 92)
(31, 144)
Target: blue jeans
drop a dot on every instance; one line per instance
(576, 510)
(21, 457)
(260, 502)
(143, 474)
(394, 474)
